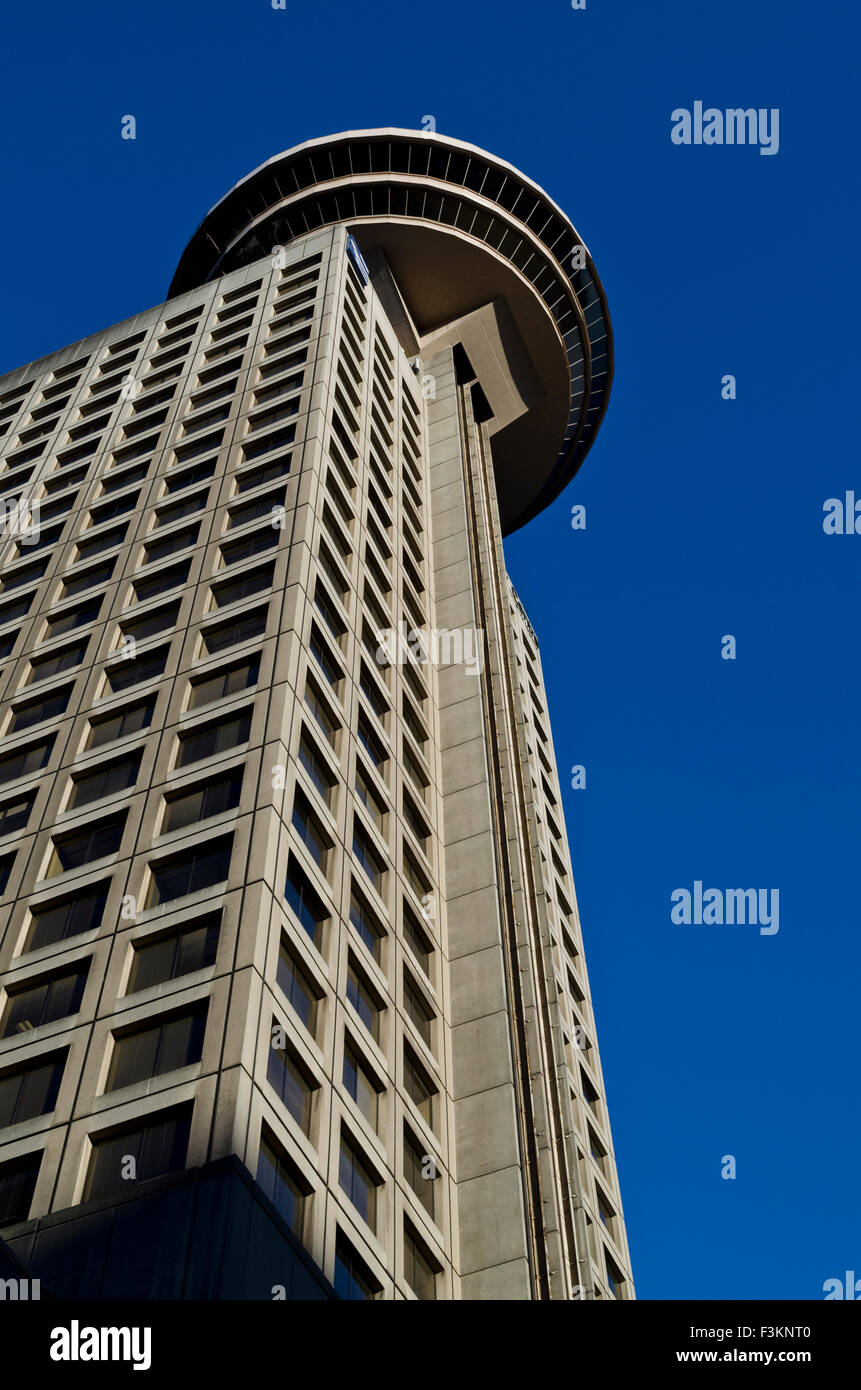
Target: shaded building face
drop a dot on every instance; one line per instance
(287, 922)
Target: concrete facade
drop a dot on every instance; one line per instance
(271, 889)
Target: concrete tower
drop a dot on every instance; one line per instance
(293, 1000)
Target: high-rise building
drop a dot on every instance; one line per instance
(293, 999)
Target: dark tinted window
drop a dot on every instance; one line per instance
(90, 842)
(173, 1041)
(192, 871)
(67, 916)
(44, 1000)
(158, 1146)
(169, 957)
(31, 1090)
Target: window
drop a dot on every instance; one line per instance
(190, 872)
(223, 369)
(60, 481)
(44, 1000)
(363, 1001)
(366, 925)
(177, 540)
(73, 618)
(108, 540)
(270, 504)
(327, 611)
(590, 1095)
(118, 725)
(99, 574)
(369, 741)
(280, 439)
(30, 1090)
(414, 724)
(175, 1040)
(161, 620)
(333, 571)
(32, 712)
(244, 585)
(158, 1146)
(414, 770)
(26, 574)
(11, 612)
(83, 846)
(358, 1182)
(280, 356)
(189, 476)
(156, 961)
(242, 628)
(212, 798)
(359, 1084)
(368, 858)
(417, 941)
(224, 350)
(216, 737)
(320, 712)
(308, 828)
(606, 1213)
(25, 760)
(369, 799)
(266, 473)
(250, 545)
(114, 481)
(17, 1184)
(597, 1150)
(322, 656)
(106, 779)
(6, 862)
(169, 578)
(420, 1273)
(615, 1277)
(289, 1080)
(418, 1085)
(297, 987)
(416, 822)
(225, 682)
(68, 916)
(107, 511)
(208, 418)
(414, 877)
(280, 1181)
(305, 902)
(44, 539)
(14, 814)
(417, 1010)
(353, 1279)
(133, 672)
(420, 1172)
(315, 767)
(200, 446)
(371, 691)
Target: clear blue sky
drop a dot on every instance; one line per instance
(704, 516)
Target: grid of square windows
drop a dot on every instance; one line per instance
(129, 464)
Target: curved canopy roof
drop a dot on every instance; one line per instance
(461, 230)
